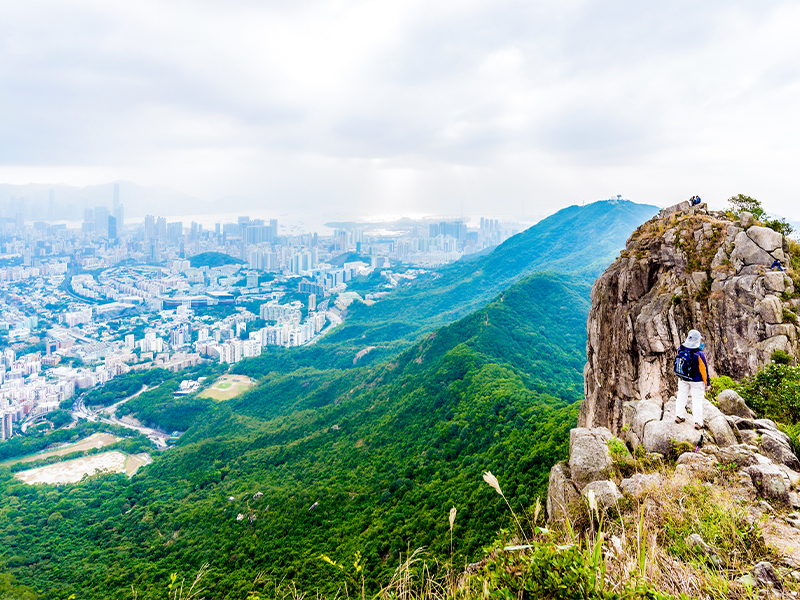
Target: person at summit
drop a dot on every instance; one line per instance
(692, 371)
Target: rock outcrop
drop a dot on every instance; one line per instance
(686, 268)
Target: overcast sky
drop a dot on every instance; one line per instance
(407, 106)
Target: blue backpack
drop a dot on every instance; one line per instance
(686, 364)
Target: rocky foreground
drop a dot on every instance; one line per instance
(690, 268)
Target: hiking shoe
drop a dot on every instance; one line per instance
(699, 425)
(679, 419)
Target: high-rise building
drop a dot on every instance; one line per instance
(112, 227)
(150, 228)
(101, 215)
(161, 228)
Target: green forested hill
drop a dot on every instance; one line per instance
(580, 241)
(384, 450)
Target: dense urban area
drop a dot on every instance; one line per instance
(81, 305)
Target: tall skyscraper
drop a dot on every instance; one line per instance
(112, 227)
(117, 208)
(101, 215)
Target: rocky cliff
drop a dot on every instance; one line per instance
(685, 268)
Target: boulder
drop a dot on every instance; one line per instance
(770, 309)
(589, 459)
(640, 483)
(742, 455)
(778, 450)
(562, 495)
(696, 465)
(746, 219)
(749, 437)
(770, 482)
(721, 431)
(766, 238)
(605, 492)
(731, 403)
(747, 252)
(764, 574)
(766, 424)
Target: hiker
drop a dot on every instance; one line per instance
(692, 371)
(695, 200)
(777, 265)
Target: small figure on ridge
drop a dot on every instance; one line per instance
(695, 200)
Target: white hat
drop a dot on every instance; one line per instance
(693, 340)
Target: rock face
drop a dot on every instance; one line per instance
(686, 268)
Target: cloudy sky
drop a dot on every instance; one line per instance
(407, 106)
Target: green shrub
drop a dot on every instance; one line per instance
(720, 384)
(789, 316)
(774, 392)
(742, 203)
(781, 358)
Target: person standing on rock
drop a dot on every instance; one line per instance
(692, 371)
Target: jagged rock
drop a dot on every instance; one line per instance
(764, 574)
(589, 459)
(792, 476)
(646, 302)
(770, 482)
(731, 403)
(768, 239)
(562, 495)
(605, 492)
(794, 501)
(640, 483)
(659, 436)
(777, 449)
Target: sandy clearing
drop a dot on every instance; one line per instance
(72, 471)
(96, 440)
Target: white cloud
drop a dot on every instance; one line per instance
(393, 105)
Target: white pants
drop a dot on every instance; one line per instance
(698, 389)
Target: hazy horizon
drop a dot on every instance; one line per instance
(358, 108)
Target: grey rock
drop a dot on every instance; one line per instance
(766, 424)
(749, 436)
(695, 465)
(731, 403)
(746, 252)
(770, 482)
(605, 492)
(746, 219)
(562, 494)
(774, 281)
(764, 574)
(794, 500)
(589, 459)
(770, 309)
(779, 451)
(768, 239)
(640, 483)
(721, 431)
(696, 543)
(739, 454)
(765, 506)
(659, 435)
